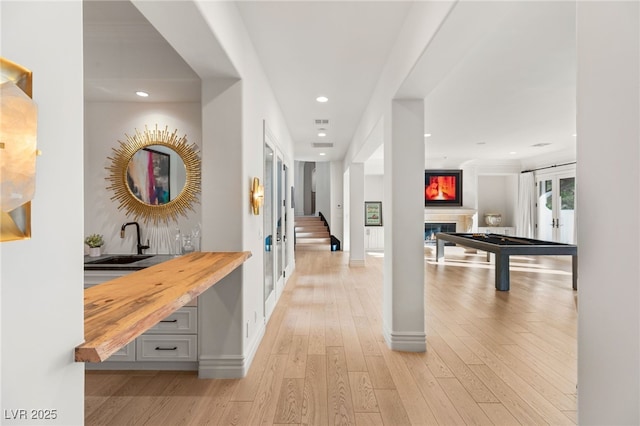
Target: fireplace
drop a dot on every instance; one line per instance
(431, 228)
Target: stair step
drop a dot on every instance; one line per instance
(312, 247)
(321, 240)
(312, 230)
(312, 234)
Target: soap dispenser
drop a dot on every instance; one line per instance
(177, 244)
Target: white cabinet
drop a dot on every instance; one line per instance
(170, 344)
(503, 230)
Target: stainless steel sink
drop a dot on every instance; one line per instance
(120, 259)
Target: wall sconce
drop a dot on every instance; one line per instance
(18, 131)
(257, 195)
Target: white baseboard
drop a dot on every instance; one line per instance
(230, 366)
(405, 341)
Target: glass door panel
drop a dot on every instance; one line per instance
(565, 221)
(286, 202)
(279, 226)
(556, 208)
(545, 210)
(269, 282)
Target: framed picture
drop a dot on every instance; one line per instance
(148, 176)
(373, 213)
(442, 188)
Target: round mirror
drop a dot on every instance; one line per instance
(155, 175)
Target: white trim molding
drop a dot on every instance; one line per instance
(230, 366)
(406, 341)
(357, 262)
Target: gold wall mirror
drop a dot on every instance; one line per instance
(155, 175)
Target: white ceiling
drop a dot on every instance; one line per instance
(498, 78)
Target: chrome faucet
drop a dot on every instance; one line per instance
(139, 246)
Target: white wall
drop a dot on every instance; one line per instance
(337, 201)
(299, 187)
(373, 188)
(608, 156)
(374, 191)
(41, 278)
(106, 123)
(323, 190)
(497, 194)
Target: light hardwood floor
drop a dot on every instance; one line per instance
(492, 357)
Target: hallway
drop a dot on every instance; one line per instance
(492, 357)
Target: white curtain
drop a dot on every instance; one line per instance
(525, 224)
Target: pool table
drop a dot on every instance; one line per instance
(504, 246)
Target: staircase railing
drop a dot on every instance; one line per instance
(335, 242)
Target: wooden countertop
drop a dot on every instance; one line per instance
(118, 311)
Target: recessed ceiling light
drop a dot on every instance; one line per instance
(322, 153)
(427, 135)
(322, 99)
(322, 134)
(513, 152)
(142, 94)
(574, 135)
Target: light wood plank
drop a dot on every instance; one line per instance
(379, 373)
(297, 359)
(442, 407)
(339, 392)
(498, 414)
(364, 400)
(315, 405)
(476, 387)
(516, 405)
(415, 405)
(392, 410)
(466, 406)
(235, 414)
(264, 406)
(369, 419)
(289, 409)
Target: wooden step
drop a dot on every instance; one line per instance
(313, 246)
(319, 240)
(314, 234)
(311, 229)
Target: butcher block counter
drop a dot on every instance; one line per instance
(118, 311)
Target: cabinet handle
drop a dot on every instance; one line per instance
(173, 320)
(158, 348)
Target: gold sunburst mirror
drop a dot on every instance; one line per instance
(148, 179)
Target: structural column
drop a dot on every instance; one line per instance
(356, 216)
(608, 107)
(403, 289)
(220, 309)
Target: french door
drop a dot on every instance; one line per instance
(275, 223)
(556, 207)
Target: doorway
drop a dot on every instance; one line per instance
(556, 207)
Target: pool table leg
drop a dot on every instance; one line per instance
(439, 249)
(574, 270)
(502, 272)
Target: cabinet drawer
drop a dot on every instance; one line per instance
(182, 321)
(166, 348)
(126, 353)
(92, 278)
